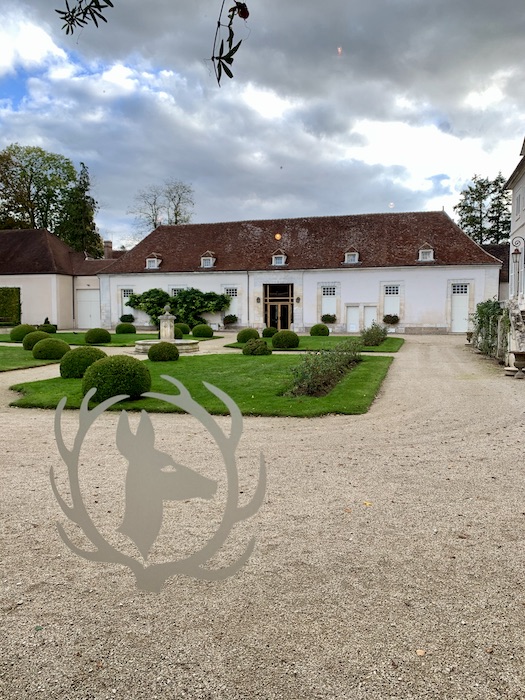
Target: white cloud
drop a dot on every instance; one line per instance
(23, 44)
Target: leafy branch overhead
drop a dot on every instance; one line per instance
(84, 11)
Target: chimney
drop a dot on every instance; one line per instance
(108, 250)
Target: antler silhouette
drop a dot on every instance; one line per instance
(151, 577)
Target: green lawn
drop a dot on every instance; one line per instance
(18, 358)
(256, 384)
(77, 338)
(325, 342)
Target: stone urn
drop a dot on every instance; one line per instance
(519, 363)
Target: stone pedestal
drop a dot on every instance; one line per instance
(167, 324)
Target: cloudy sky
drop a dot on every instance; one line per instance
(336, 107)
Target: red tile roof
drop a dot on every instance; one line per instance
(382, 240)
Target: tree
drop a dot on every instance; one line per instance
(33, 186)
(77, 225)
(170, 203)
(187, 306)
(484, 210)
(84, 11)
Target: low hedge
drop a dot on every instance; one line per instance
(97, 336)
(50, 349)
(18, 333)
(119, 374)
(31, 339)
(163, 352)
(74, 363)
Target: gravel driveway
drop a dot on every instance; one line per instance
(389, 558)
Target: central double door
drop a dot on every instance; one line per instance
(278, 305)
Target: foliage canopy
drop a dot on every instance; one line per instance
(484, 210)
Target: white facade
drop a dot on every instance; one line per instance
(44, 296)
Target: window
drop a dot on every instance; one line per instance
(124, 296)
(460, 288)
(207, 261)
(391, 290)
(152, 263)
(230, 291)
(329, 298)
(426, 254)
(518, 205)
(329, 291)
(278, 259)
(175, 290)
(351, 258)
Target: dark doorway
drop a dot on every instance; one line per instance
(278, 305)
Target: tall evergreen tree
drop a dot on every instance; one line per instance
(77, 225)
(484, 210)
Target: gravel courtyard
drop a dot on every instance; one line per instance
(389, 559)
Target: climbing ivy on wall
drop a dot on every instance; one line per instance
(10, 304)
(486, 321)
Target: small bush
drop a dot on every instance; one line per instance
(183, 327)
(18, 333)
(50, 349)
(97, 336)
(391, 319)
(31, 339)
(119, 374)
(47, 328)
(127, 318)
(256, 346)
(269, 332)
(229, 319)
(246, 334)
(177, 333)
(202, 331)
(374, 335)
(318, 373)
(328, 318)
(163, 352)
(319, 329)
(285, 340)
(74, 363)
(123, 328)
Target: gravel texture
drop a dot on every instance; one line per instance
(389, 558)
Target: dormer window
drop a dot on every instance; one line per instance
(426, 254)
(279, 258)
(207, 259)
(153, 261)
(351, 257)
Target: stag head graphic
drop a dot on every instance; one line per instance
(152, 478)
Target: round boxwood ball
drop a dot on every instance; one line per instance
(118, 374)
(269, 332)
(97, 336)
(246, 334)
(125, 328)
(18, 333)
(50, 349)
(256, 346)
(285, 340)
(75, 362)
(31, 339)
(202, 331)
(47, 327)
(163, 352)
(319, 329)
(177, 333)
(183, 327)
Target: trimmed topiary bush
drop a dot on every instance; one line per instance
(97, 336)
(74, 363)
(256, 346)
(269, 332)
(328, 318)
(125, 328)
(202, 331)
(374, 335)
(163, 352)
(31, 339)
(391, 319)
(177, 333)
(50, 349)
(183, 327)
(18, 333)
(119, 374)
(247, 334)
(319, 329)
(285, 340)
(127, 318)
(229, 319)
(47, 328)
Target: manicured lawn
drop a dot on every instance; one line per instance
(315, 343)
(18, 358)
(256, 384)
(118, 340)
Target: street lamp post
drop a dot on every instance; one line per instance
(516, 259)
